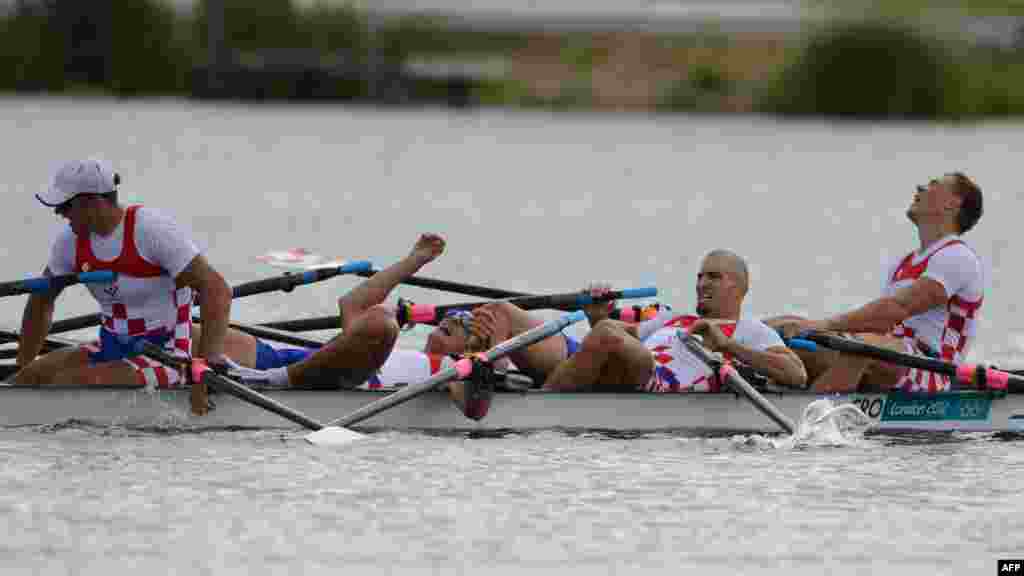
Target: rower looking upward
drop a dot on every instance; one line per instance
(930, 299)
(650, 356)
(159, 269)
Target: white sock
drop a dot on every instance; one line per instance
(278, 376)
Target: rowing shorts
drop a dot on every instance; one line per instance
(571, 345)
(111, 347)
(268, 357)
(921, 381)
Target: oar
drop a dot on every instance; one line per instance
(429, 314)
(726, 372)
(287, 282)
(335, 433)
(302, 259)
(453, 287)
(201, 372)
(47, 283)
(979, 375)
(277, 336)
(284, 283)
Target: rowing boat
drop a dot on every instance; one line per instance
(524, 410)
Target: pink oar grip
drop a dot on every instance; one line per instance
(198, 368)
(464, 367)
(965, 374)
(422, 313)
(725, 371)
(997, 379)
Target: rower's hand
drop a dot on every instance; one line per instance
(428, 247)
(485, 329)
(714, 339)
(598, 310)
(793, 328)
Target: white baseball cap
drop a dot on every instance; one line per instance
(89, 176)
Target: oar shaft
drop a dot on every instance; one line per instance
(737, 383)
(453, 287)
(426, 314)
(224, 384)
(978, 375)
(459, 370)
(306, 324)
(277, 336)
(287, 282)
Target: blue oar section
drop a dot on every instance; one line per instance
(801, 344)
(47, 283)
(323, 273)
(287, 282)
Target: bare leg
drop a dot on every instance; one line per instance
(238, 346)
(848, 372)
(117, 373)
(608, 358)
(44, 369)
(361, 349)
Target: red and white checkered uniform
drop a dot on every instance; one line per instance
(676, 369)
(948, 330)
(143, 300)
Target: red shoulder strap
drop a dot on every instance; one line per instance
(128, 262)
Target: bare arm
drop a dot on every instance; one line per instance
(35, 325)
(778, 363)
(214, 305)
(879, 316)
(375, 289)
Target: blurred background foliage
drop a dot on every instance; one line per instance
(863, 59)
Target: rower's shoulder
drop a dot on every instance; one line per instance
(960, 251)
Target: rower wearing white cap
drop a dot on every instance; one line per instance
(159, 269)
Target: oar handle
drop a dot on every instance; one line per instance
(977, 375)
(429, 314)
(47, 283)
(635, 313)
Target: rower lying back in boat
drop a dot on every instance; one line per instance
(365, 349)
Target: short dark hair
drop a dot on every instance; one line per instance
(971, 207)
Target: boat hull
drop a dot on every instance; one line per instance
(534, 410)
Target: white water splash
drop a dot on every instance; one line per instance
(823, 424)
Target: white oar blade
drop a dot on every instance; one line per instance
(299, 259)
(333, 436)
